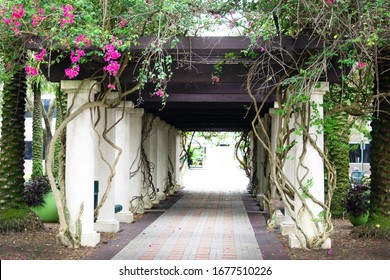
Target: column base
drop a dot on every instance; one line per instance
(156, 202)
(107, 226)
(90, 239)
(161, 196)
(287, 228)
(279, 217)
(293, 242)
(124, 217)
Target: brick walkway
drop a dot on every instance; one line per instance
(201, 225)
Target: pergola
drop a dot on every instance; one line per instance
(195, 102)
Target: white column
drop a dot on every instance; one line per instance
(162, 158)
(153, 156)
(146, 187)
(106, 221)
(172, 151)
(287, 225)
(122, 177)
(179, 170)
(315, 178)
(80, 158)
(135, 160)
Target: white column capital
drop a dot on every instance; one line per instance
(80, 86)
(125, 105)
(321, 88)
(272, 112)
(137, 112)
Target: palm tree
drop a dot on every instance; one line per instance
(14, 214)
(37, 136)
(380, 167)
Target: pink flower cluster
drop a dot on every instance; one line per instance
(18, 13)
(361, 65)
(67, 14)
(37, 18)
(75, 56)
(31, 71)
(160, 93)
(82, 40)
(111, 55)
(215, 79)
(39, 57)
(73, 71)
(112, 68)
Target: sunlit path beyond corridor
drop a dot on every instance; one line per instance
(208, 222)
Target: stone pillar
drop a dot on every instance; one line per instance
(106, 221)
(253, 160)
(172, 151)
(273, 138)
(153, 157)
(80, 159)
(179, 171)
(146, 187)
(122, 177)
(135, 160)
(162, 158)
(260, 161)
(314, 180)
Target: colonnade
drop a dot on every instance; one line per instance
(116, 160)
(313, 175)
(90, 157)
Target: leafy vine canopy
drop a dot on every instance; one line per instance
(86, 30)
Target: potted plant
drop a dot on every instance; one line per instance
(358, 202)
(40, 199)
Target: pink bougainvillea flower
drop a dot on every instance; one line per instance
(110, 53)
(39, 57)
(31, 71)
(112, 68)
(67, 14)
(217, 80)
(18, 12)
(75, 56)
(361, 65)
(111, 86)
(160, 93)
(123, 23)
(6, 21)
(330, 2)
(83, 39)
(72, 72)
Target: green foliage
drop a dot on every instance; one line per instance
(337, 132)
(19, 219)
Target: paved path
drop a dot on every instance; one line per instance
(213, 218)
(201, 225)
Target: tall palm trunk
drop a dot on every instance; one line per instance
(37, 133)
(12, 143)
(380, 168)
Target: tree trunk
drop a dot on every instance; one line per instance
(12, 143)
(37, 133)
(380, 168)
(337, 130)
